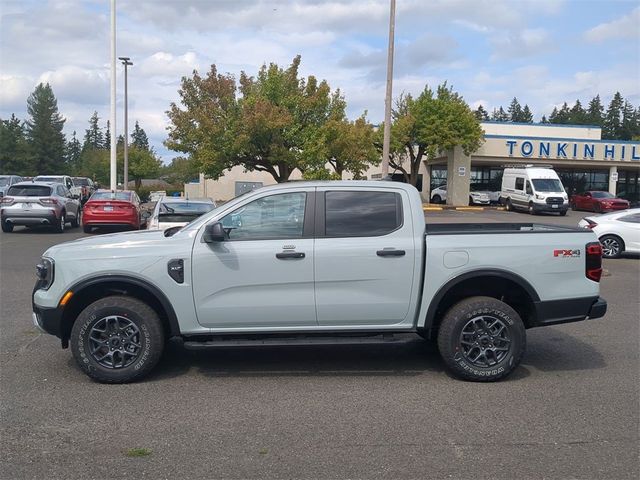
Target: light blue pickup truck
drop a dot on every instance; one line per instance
(320, 262)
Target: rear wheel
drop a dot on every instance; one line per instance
(612, 246)
(59, 227)
(7, 227)
(75, 223)
(563, 213)
(481, 339)
(117, 339)
(87, 228)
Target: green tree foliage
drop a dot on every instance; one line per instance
(44, 131)
(74, 152)
(595, 112)
(562, 116)
(515, 111)
(577, 114)
(14, 152)
(629, 124)
(499, 115)
(270, 127)
(139, 137)
(107, 136)
(93, 138)
(432, 122)
(527, 116)
(612, 122)
(142, 164)
(481, 114)
(180, 170)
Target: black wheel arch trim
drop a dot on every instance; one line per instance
(174, 326)
(441, 293)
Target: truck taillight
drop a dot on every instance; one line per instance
(593, 265)
(48, 201)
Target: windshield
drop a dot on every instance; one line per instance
(111, 196)
(547, 185)
(602, 195)
(4, 181)
(29, 191)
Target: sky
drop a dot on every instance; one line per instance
(544, 52)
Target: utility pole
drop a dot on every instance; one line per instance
(112, 123)
(126, 63)
(387, 99)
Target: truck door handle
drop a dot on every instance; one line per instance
(285, 255)
(390, 253)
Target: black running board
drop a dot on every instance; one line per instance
(292, 340)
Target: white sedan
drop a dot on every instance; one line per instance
(177, 212)
(618, 232)
(439, 195)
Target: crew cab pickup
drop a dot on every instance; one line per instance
(319, 262)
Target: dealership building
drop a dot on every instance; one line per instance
(581, 158)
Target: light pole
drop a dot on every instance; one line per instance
(126, 63)
(387, 99)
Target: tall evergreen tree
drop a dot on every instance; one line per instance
(560, 116)
(107, 137)
(74, 150)
(499, 115)
(93, 138)
(44, 131)
(544, 119)
(577, 114)
(139, 137)
(481, 114)
(515, 111)
(14, 155)
(595, 111)
(612, 122)
(629, 124)
(527, 116)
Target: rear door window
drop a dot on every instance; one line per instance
(519, 183)
(362, 214)
(29, 191)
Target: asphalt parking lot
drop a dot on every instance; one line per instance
(571, 410)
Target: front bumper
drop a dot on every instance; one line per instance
(48, 320)
(545, 207)
(570, 310)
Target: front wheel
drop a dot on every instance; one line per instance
(436, 199)
(7, 227)
(75, 223)
(481, 339)
(532, 210)
(509, 205)
(117, 339)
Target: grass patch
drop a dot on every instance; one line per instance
(138, 452)
(263, 451)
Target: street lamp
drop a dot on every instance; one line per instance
(387, 98)
(126, 63)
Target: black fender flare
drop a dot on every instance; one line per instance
(440, 294)
(174, 326)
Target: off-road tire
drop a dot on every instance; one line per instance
(459, 317)
(150, 338)
(7, 227)
(59, 226)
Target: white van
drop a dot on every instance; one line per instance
(533, 188)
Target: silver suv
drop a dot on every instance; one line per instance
(39, 203)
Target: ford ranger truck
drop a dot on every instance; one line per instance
(319, 262)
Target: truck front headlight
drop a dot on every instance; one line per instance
(45, 272)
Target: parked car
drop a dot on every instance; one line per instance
(317, 262)
(6, 181)
(66, 180)
(177, 212)
(39, 203)
(87, 187)
(113, 209)
(618, 232)
(476, 197)
(534, 189)
(598, 201)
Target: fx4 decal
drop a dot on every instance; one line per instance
(566, 253)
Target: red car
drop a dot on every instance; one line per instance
(598, 201)
(106, 208)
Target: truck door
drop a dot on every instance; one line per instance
(262, 275)
(364, 257)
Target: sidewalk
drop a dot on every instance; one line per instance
(434, 207)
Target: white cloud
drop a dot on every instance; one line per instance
(14, 90)
(164, 64)
(523, 43)
(78, 85)
(627, 26)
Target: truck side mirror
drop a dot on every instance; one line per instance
(214, 232)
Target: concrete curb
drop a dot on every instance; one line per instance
(427, 207)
